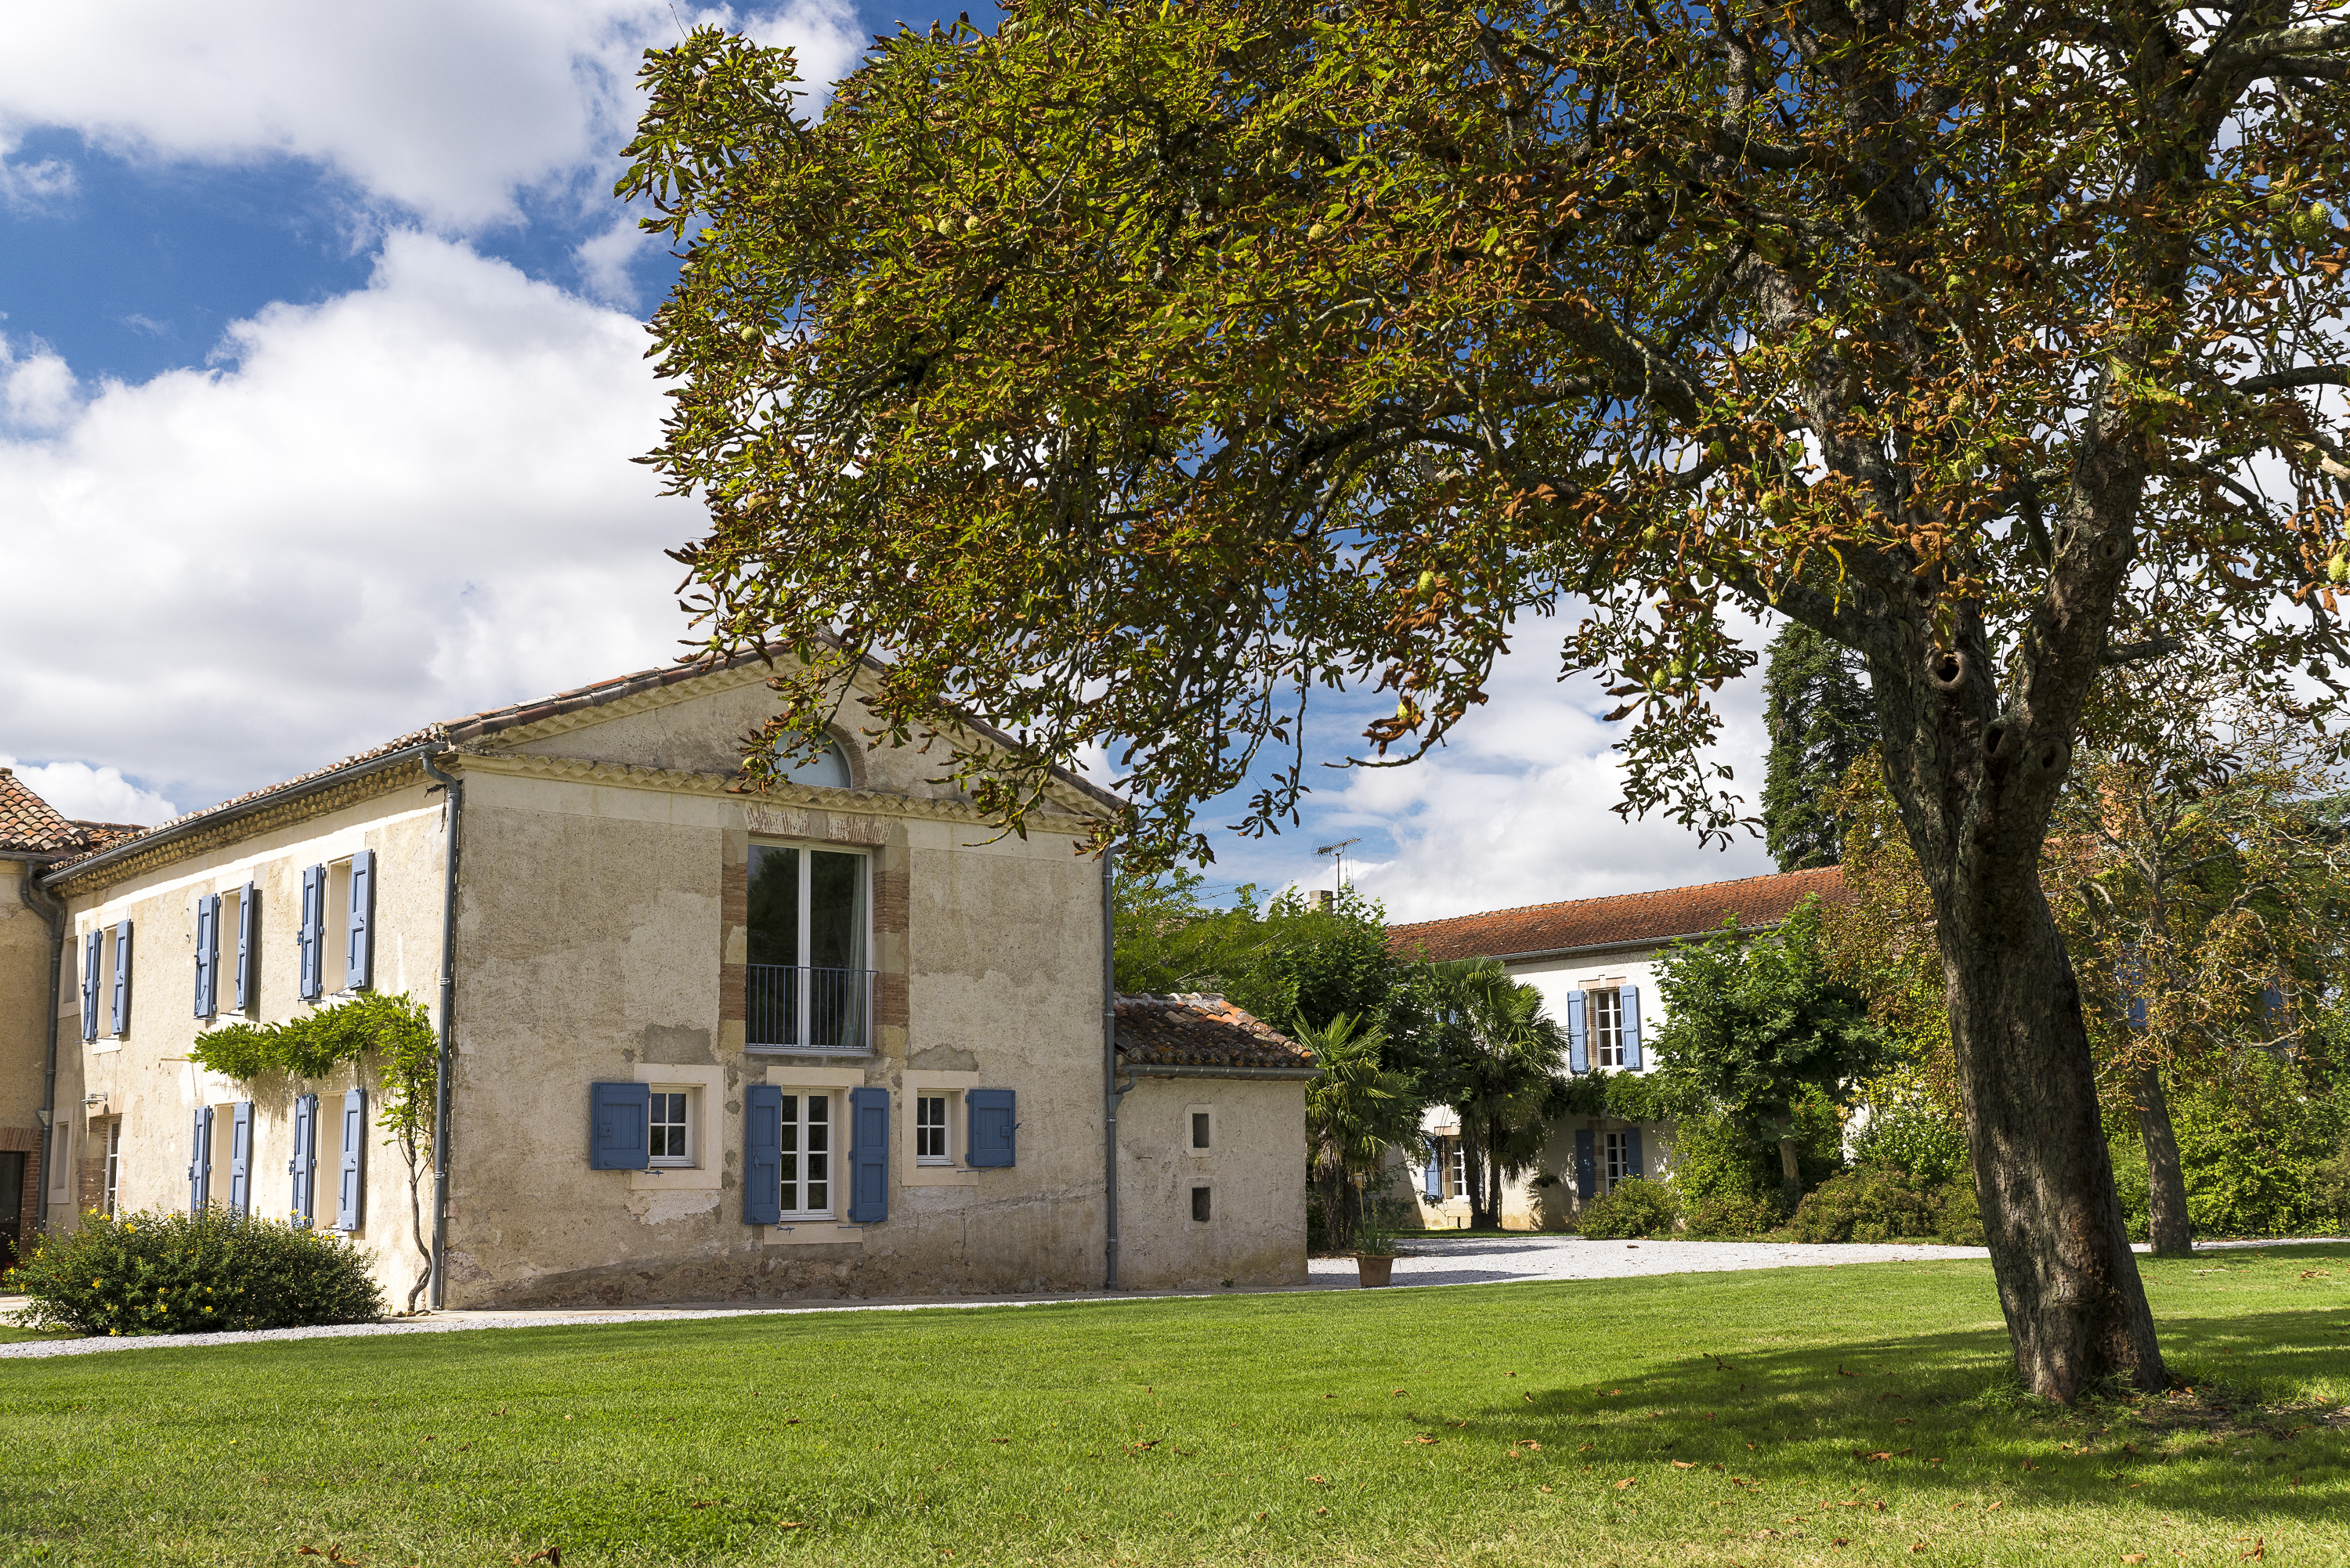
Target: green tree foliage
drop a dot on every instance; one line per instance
(1756, 1023)
(1136, 371)
(1481, 1043)
(1285, 961)
(1817, 714)
(394, 1031)
(1356, 1109)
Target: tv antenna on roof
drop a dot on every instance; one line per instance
(1339, 850)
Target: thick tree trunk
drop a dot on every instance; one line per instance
(1493, 1177)
(2166, 1181)
(1977, 748)
(2067, 1281)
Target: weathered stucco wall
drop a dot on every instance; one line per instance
(144, 1079)
(601, 939)
(24, 1043)
(1253, 1169)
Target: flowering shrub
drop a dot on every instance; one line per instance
(193, 1274)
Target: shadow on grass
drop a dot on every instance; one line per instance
(1943, 1416)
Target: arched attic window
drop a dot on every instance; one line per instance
(829, 769)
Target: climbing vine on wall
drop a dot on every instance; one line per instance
(393, 1030)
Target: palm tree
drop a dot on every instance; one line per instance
(1501, 1055)
(1355, 1110)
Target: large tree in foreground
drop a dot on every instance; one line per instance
(1130, 374)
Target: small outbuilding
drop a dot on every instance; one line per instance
(1211, 1145)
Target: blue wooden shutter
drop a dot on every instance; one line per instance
(1578, 1046)
(122, 978)
(993, 1129)
(240, 1158)
(1630, 996)
(248, 917)
(358, 932)
(1435, 1177)
(347, 1204)
(199, 1161)
(869, 1155)
(310, 937)
(207, 953)
(304, 1165)
(762, 1155)
(1632, 1165)
(1587, 1167)
(617, 1126)
(93, 955)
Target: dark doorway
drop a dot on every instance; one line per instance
(12, 1201)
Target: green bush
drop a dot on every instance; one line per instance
(1915, 1137)
(1718, 1157)
(1751, 1214)
(1959, 1213)
(193, 1274)
(1635, 1208)
(1873, 1203)
(2329, 1192)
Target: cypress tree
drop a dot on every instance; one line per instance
(1816, 707)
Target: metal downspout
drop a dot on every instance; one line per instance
(1109, 1062)
(447, 1017)
(52, 911)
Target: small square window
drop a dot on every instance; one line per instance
(1202, 1199)
(1200, 1128)
(931, 1126)
(667, 1135)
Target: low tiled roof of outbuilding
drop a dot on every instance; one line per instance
(1624, 919)
(1199, 1030)
(472, 727)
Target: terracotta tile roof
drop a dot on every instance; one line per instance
(472, 727)
(1623, 920)
(102, 834)
(29, 823)
(1202, 1030)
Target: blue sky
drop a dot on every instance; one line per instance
(319, 374)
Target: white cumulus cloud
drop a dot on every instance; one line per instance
(407, 503)
(447, 108)
(87, 794)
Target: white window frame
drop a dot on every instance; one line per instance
(112, 1191)
(1456, 1167)
(804, 896)
(944, 1126)
(1608, 1027)
(795, 1157)
(687, 1124)
(1615, 1159)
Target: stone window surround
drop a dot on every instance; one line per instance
(704, 1112)
(794, 1078)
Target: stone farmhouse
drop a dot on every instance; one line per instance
(838, 1038)
(1594, 961)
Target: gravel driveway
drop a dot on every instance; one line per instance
(1432, 1260)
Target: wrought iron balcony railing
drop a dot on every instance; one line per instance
(819, 1012)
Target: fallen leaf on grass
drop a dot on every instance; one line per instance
(705, 1503)
(787, 1524)
(999, 1440)
(1398, 1391)
(2133, 1557)
(2259, 1548)
(1683, 1465)
(1329, 1396)
(550, 1555)
(1839, 1541)
(1842, 1372)
(2030, 1466)
(1625, 1482)
(1919, 1547)
(1321, 1511)
(1542, 1489)
(333, 1554)
(1145, 1447)
(1423, 1438)
(1987, 1507)
(1529, 1398)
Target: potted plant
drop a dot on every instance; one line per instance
(1375, 1253)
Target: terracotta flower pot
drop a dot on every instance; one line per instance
(1374, 1268)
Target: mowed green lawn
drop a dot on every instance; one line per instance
(1852, 1415)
